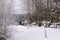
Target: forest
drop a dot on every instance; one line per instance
(30, 10)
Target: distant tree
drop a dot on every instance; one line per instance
(56, 11)
(47, 12)
(38, 13)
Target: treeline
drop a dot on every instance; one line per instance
(48, 10)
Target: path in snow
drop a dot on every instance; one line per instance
(32, 33)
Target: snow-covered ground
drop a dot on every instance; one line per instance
(32, 33)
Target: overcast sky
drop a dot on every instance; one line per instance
(19, 6)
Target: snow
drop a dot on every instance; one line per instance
(19, 32)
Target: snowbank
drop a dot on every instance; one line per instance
(33, 33)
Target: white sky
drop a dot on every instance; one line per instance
(18, 6)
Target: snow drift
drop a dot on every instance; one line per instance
(32, 33)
